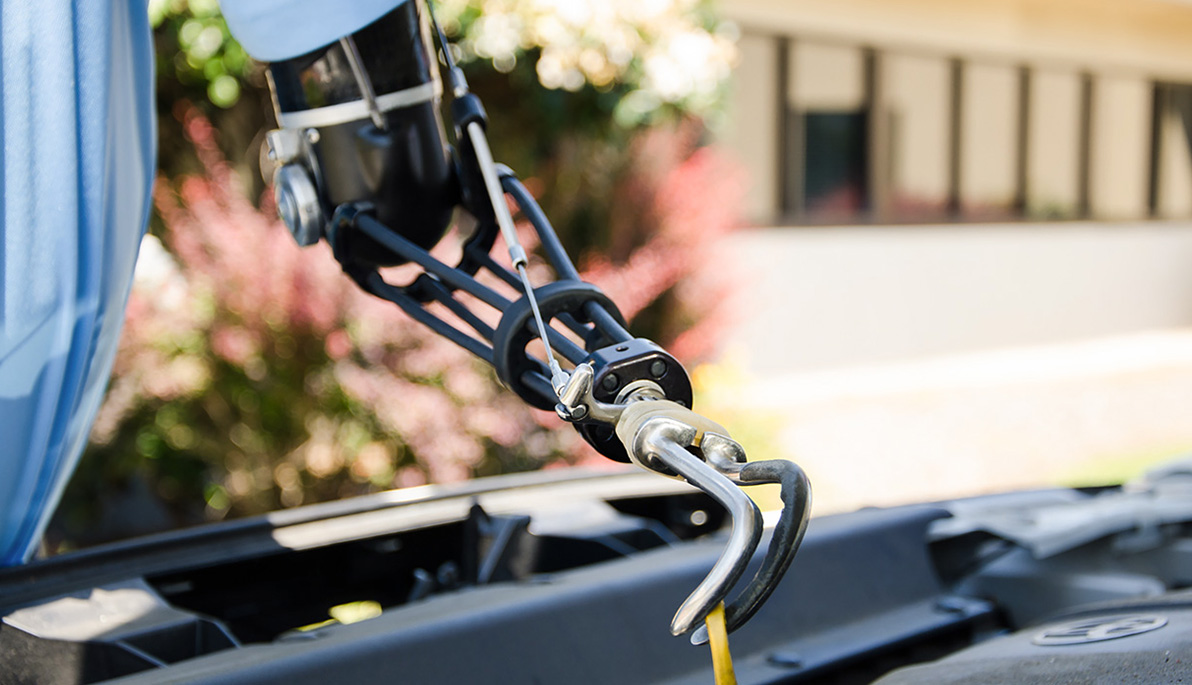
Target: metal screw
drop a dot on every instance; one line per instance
(312, 135)
(575, 413)
(658, 368)
(610, 382)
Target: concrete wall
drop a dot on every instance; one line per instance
(753, 132)
(843, 296)
(989, 129)
(1120, 147)
(1053, 173)
(918, 100)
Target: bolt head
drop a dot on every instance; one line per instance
(287, 206)
(610, 382)
(658, 368)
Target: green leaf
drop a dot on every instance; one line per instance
(224, 91)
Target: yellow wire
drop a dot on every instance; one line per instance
(722, 660)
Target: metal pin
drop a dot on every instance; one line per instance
(362, 80)
(517, 254)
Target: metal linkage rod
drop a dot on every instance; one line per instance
(445, 297)
(607, 323)
(546, 233)
(558, 256)
(372, 282)
(485, 260)
(409, 251)
(362, 81)
(517, 254)
(462, 281)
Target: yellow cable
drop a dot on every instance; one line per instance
(722, 660)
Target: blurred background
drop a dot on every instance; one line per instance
(923, 248)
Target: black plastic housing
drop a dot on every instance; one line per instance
(405, 172)
(621, 364)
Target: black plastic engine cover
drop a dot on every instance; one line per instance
(1138, 641)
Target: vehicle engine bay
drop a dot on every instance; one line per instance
(550, 578)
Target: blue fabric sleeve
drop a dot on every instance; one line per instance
(78, 141)
(273, 30)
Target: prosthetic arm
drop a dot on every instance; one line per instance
(362, 161)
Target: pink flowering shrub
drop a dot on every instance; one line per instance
(675, 203)
(253, 374)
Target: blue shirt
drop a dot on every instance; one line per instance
(77, 134)
(77, 157)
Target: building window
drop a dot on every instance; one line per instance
(845, 133)
(834, 164)
(1173, 151)
(826, 123)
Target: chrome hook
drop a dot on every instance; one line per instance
(657, 435)
(666, 440)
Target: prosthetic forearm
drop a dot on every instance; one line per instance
(363, 162)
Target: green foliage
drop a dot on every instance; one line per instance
(639, 63)
(205, 55)
(201, 67)
(574, 83)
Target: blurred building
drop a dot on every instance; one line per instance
(972, 261)
(920, 110)
(981, 174)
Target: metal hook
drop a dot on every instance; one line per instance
(666, 440)
(657, 435)
(788, 536)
